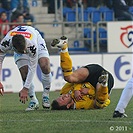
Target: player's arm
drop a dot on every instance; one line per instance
(33, 61)
(4, 47)
(31, 71)
(83, 89)
(70, 76)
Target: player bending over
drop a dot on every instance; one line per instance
(29, 50)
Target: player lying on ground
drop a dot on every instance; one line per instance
(126, 96)
(88, 87)
(30, 49)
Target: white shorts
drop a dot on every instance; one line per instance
(23, 59)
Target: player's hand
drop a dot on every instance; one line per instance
(84, 91)
(77, 95)
(23, 94)
(1, 89)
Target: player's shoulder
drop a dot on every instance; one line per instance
(30, 27)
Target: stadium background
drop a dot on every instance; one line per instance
(113, 50)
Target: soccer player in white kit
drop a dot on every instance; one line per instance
(29, 50)
(125, 98)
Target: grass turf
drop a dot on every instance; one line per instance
(13, 118)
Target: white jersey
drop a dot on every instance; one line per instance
(34, 45)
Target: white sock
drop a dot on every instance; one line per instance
(65, 50)
(32, 94)
(126, 95)
(46, 81)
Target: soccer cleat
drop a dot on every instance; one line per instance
(45, 102)
(117, 114)
(103, 79)
(32, 106)
(55, 43)
(60, 43)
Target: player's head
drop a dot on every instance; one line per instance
(63, 102)
(19, 43)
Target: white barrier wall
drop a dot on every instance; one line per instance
(120, 36)
(118, 64)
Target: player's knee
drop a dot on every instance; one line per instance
(68, 79)
(45, 68)
(44, 64)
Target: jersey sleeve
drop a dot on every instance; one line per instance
(31, 71)
(5, 44)
(66, 88)
(33, 61)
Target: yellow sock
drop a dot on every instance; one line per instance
(101, 95)
(106, 103)
(66, 63)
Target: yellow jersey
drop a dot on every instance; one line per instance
(87, 101)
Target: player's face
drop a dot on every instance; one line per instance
(64, 99)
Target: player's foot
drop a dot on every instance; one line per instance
(103, 79)
(60, 43)
(45, 101)
(33, 105)
(117, 114)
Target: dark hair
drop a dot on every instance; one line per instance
(18, 15)
(55, 106)
(18, 42)
(3, 12)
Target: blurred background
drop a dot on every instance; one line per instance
(99, 31)
(84, 22)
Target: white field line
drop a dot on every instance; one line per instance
(73, 121)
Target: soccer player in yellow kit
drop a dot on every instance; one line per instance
(88, 87)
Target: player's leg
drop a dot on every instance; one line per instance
(22, 65)
(46, 80)
(126, 95)
(65, 60)
(78, 75)
(44, 63)
(102, 91)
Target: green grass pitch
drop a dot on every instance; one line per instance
(14, 119)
